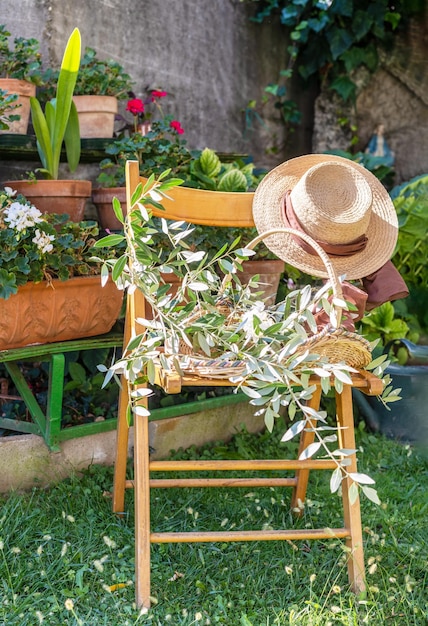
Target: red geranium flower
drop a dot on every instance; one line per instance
(158, 94)
(177, 127)
(135, 106)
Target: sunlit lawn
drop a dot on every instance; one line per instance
(65, 559)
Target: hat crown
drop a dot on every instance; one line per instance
(332, 202)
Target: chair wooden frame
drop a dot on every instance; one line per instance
(351, 532)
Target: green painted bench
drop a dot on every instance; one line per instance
(48, 423)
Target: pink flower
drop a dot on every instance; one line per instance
(177, 127)
(158, 94)
(135, 106)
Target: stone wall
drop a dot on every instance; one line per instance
(396, 96)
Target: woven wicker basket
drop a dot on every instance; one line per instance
(337, 344)
(334, 343)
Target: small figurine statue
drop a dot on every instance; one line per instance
(378, 147)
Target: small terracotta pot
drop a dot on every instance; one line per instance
(269, 272)
(96, 115)
(71, 309)
(25, 90)
(103, 198)
(56, 196)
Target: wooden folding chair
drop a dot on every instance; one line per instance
(211, 213)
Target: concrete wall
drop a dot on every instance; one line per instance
(207, 55)
(213, 60)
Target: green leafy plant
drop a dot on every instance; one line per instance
(60, 124)
(208, 172)
(96, 77)
(375, 164)
(163, 148)
(36, 247)
(382, 323)
(22, 60)
(160, 149)
(221, 321)
(411, 202)
(7, 106)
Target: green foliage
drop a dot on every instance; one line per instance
(208, 172)
(59, 124)
(160, 149)
(22, 61)
(96, 77)
(36, 247)
(411, 203)
(330, 40)
(375, 164)
(7, 106)
(85, 399)
(381, 322)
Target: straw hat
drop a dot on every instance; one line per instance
(336, 201)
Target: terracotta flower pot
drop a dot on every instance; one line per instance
(56, 196)
(72, 309)
(96, 115)
(25, 90)
(103, 198)
(269, 272)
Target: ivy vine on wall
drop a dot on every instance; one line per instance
(331, 39)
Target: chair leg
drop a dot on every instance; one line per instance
(302, 476)
(352, 512)
(142, 511)
(122, 436)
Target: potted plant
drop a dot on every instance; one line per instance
(159, 149)
(100, 84)
(47, 269)
(20, 72)
(142, 111)
(402, 327)
(58, 125)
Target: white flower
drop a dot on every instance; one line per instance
(109, 542)
(10, 192)
(22, 216)
(264, 321)
(43, 241)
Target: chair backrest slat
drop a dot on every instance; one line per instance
(198, 206)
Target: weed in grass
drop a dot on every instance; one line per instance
(66, 560)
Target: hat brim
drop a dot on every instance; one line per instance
(268, 214)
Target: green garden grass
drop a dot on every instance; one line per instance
(66, 559)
